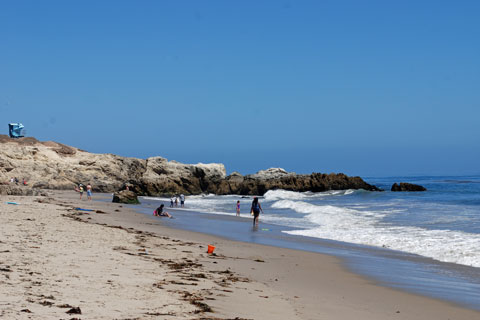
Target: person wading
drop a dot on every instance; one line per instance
(255, 209)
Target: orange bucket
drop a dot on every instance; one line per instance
(210, 248)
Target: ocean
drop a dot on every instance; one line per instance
(423, 242)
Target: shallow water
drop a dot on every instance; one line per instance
(423, 242)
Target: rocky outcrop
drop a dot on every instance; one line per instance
(165, 177)
(404, 186)
(125, 196)
(14, 190)
(277, 178)
(52, 165)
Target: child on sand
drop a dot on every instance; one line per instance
(238, 208)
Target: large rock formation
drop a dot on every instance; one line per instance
(52, 165)
(163, 177)
(277, 178)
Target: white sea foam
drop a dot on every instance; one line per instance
(273, 195)
(320, 215)
(364, 227)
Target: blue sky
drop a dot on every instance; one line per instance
(367, 88)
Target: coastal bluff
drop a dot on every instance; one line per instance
(52, 165)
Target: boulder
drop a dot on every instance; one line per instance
(404, 186)
(125, 196)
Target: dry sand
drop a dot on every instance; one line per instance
(114, 263)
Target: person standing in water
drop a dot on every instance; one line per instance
(238, 208)
(182, 200)
(256, 208)
(80, 190)
(89, 191)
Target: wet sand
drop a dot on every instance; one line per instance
(114, 263)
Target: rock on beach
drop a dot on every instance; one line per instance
(125, 196)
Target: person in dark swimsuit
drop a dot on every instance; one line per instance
(256, 208)
(160, 213)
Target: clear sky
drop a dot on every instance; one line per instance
(367, 88)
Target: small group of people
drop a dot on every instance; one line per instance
(16, 181)
(174, 201)
(254, 210)
(80, 190)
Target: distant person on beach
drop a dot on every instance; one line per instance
(80, 190)
(172, 201)
(160, 213)
(182, 200)
(176, 201)
(89, 192)
(238, 208)
(255, 209)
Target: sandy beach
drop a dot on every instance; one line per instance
(57, 262)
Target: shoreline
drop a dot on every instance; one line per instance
(264, 250)
(294, 284)
(453, 283)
